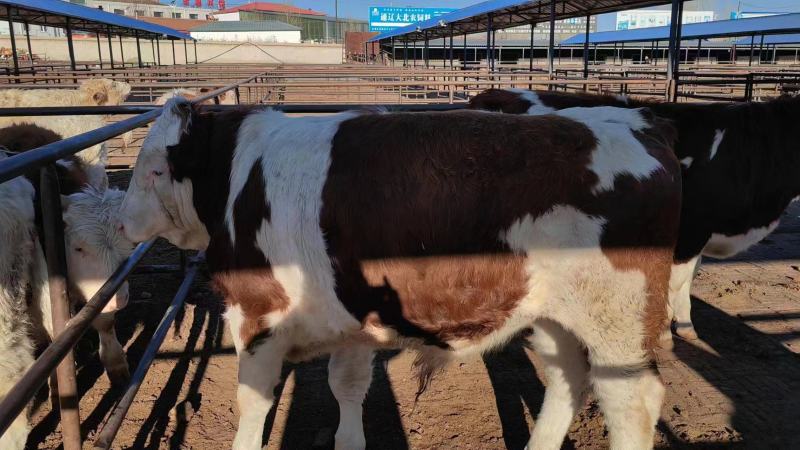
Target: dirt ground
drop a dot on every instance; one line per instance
(736, 387)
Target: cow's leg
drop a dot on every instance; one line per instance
(680, 297)
(16, 349)
(111, 353)
(349, 375)
(566, 370)
(259, 373)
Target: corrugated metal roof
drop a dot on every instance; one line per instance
(772, 40)
(251, 25)
(82, 18)
(506, 14)
(780, 24)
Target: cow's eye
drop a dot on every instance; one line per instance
(158, 173)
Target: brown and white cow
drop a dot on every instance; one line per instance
(739, 162)
(447, 233)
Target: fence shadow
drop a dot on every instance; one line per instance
(753, 370)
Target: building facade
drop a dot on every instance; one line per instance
(314, 25)
(258, 31)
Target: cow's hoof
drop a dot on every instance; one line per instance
(686, 331)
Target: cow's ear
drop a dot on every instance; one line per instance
(100, 97)
(181, 108)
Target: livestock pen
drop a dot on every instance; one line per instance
(734, 387)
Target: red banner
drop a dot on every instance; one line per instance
(198, 3)
(185, 2)
(221, 4)
(210, 3)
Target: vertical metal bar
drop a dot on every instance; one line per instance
(99, 51)
(674, 26)
(774, 51)
(464, 62)
(158, 50)
(586, 50)
(761, 50)
(110, 47)
(699, 46)
(28, 40)
(425, 51)
(622, 54)
(138, 49)
(106, 436)
(405, 52)
(53, 229)
(14, 42)
(451, 46)
(121, 51)
(393, 52)
(185, 53)
(195, 51)
(615, 54)
(153, 49)
(69, 45)
(678, 41)
(552, 41)
(752, 49)
(530, 53)
(172, 41)
(415, 53)
(488, 41)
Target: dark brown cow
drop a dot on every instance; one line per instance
(445, 232)
(740, 164)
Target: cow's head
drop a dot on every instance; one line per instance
(94, 242)
(157, 204)
(105, 92)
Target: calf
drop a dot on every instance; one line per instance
(739, 164)
(95, 247)
(447, 233)
(92, 92)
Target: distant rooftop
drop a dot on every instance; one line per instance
(182, 25)
(271, 7)
(252, 25)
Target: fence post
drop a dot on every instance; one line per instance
(57, 281)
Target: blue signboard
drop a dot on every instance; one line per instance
(385, 18)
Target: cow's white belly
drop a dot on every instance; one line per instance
(722, 246)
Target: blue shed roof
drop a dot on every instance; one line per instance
(506, 14)
(773, 40)
(779, 24)
(53, 13)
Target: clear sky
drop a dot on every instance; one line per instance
(359, 8)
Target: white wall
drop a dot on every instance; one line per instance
(227, 16)
(287, 37)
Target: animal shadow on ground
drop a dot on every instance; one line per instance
(313, 416)
(516, 387)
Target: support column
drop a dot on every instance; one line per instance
(172, 41)
(586, 49)
(530, 54)
(451, 46)
(110, 47)
(622, 54)
(185, 52)
(494, 47)
(158, 50)
(138, 49)
(699, 46)
(488, 42)
(464, 65)
(121, 51)
(761, 50)
(14, 43)
(405, 52)
(414, 51)
(674, 48)
(194, 43)
(99, 51)
(393, 52)
(426, 51)
(551, 43)
(752, 49)
(69, 44)
(30, 49)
